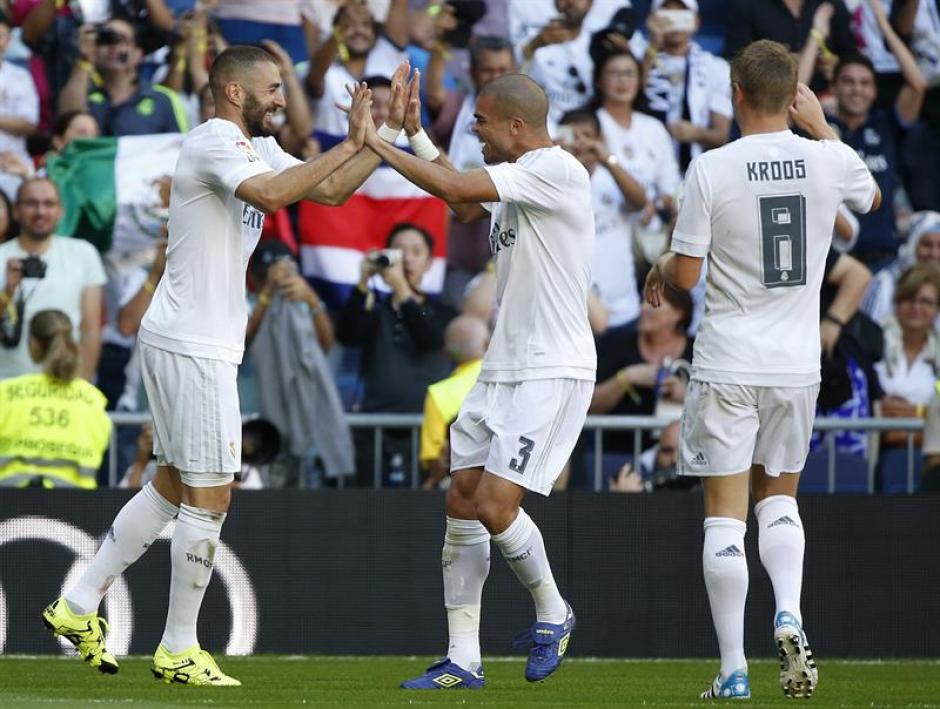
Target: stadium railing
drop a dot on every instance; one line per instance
(596, 426)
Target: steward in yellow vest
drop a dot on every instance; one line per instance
(53, 425)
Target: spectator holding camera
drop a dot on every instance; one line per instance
(106, 82)
(53, 426)
(615, 196)
(402, 334)
(39, 271)
(687, 88)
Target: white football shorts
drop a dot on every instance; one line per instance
(521, 431)
(727, 428)
(197, 424)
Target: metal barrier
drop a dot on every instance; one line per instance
(378, 422)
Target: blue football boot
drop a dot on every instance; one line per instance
(547, 644)
(734, 686)
(446, 675)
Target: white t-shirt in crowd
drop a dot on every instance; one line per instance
(543, 241)
(199, 307)
(72, 265)
(526, 18)
(18, 99)
(645, 151)
(565, 71)
(613, 270)
(762, 209)
(381, 61)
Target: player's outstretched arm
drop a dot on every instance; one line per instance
(439, 178)
(465, 213)
(271, 191)
(339, 186)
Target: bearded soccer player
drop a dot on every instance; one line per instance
(229, 174)
(762, 210)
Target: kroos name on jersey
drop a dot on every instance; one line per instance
(770, 170)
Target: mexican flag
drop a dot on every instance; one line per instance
(110, 189)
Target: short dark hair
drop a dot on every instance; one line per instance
(408, 226)
(376, 81)
(915, 278)
(853, 58)
(681, 301)
(64, 120)
(487, 43)
(236, 61)
(580, 115)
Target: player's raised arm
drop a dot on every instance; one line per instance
(453, 187)
(270, 192)
(465, 212)
(339, 186)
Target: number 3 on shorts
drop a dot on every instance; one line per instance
(517, 465)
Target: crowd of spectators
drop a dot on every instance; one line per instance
(637, 88)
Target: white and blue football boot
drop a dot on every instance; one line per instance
(547, 644)
(798, 673)
(734, 686)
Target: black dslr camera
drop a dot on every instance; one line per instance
(33, 267)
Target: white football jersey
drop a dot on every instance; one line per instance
(762, 210)
(199, 307)
(542, 235)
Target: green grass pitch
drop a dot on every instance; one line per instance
(274, 681)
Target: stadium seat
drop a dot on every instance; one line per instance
(851, 473)
(891, 472)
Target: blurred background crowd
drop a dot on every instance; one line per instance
(384, 304)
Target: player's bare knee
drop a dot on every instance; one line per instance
(459, 503)
(496, 515)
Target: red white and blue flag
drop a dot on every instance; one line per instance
(334, 239)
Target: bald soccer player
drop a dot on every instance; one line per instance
(229, 174)
(519, 423)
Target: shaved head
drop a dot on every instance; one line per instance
(236, 63)
(518, 96)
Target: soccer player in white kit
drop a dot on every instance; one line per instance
(520, 422)
(230, 172)
(762, 210)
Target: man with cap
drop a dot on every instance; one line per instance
(687, 88)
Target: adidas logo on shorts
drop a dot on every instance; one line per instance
(699, 459)
(730, 551)
(786, 519)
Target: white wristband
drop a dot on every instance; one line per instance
(423, 147)
(388, 134)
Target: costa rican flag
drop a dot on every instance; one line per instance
(333, 240)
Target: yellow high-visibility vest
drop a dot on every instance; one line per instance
(50, 429)
(442, 404)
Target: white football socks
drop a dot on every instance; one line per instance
(522, 547)
(781, 541)
(725, 567)
(135, 527)
(192, 553)
(465, 564)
